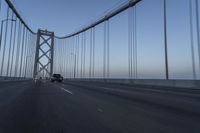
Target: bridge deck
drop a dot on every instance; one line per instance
(69, 107)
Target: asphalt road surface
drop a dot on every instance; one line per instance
(89, 107)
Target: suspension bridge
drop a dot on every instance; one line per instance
(147, 82)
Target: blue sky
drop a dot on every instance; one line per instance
(66, 16)
(62, 16)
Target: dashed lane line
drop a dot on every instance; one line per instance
(67, 91)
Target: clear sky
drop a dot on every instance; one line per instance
(66, 16)
(62, 16)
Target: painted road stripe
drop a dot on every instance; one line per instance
(67, 91)
(100, 110)
(116, 90)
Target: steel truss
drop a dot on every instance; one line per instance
(44, 37)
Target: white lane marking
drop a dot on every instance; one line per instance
(100, 110)
(117, 90)
(128, 91)
(67, 91)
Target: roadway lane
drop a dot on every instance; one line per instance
(26, 107)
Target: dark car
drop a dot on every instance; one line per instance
(56, 77)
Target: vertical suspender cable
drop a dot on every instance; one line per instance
(13, 47)
(132, 59)
(61, 52)
(30, 62)
(24, 54)
(27, 70)
(54, 50)
(84, 57)
(66, 43)
(10, 46)
(18, 47)
(68, 58)
(64, 56)
(5, 42)
(56, 56)
(22, 51)
(91, 41)
(26, 57)
(81, 56)
(104, 51)
(30, 48)
(1, 35)
(74, 57)
(33, 44)
(192, 39)
(0, 6)
(71, 58)
(108, 48)
(135, 41)
(78, 48)
(60, 56)
(57, 63)
(93, 65)
(130, 42)
(197, 25)
(33, 53)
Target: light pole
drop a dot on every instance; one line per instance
(165, 41)
(74, 64)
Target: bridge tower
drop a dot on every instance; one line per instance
(44, 54)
